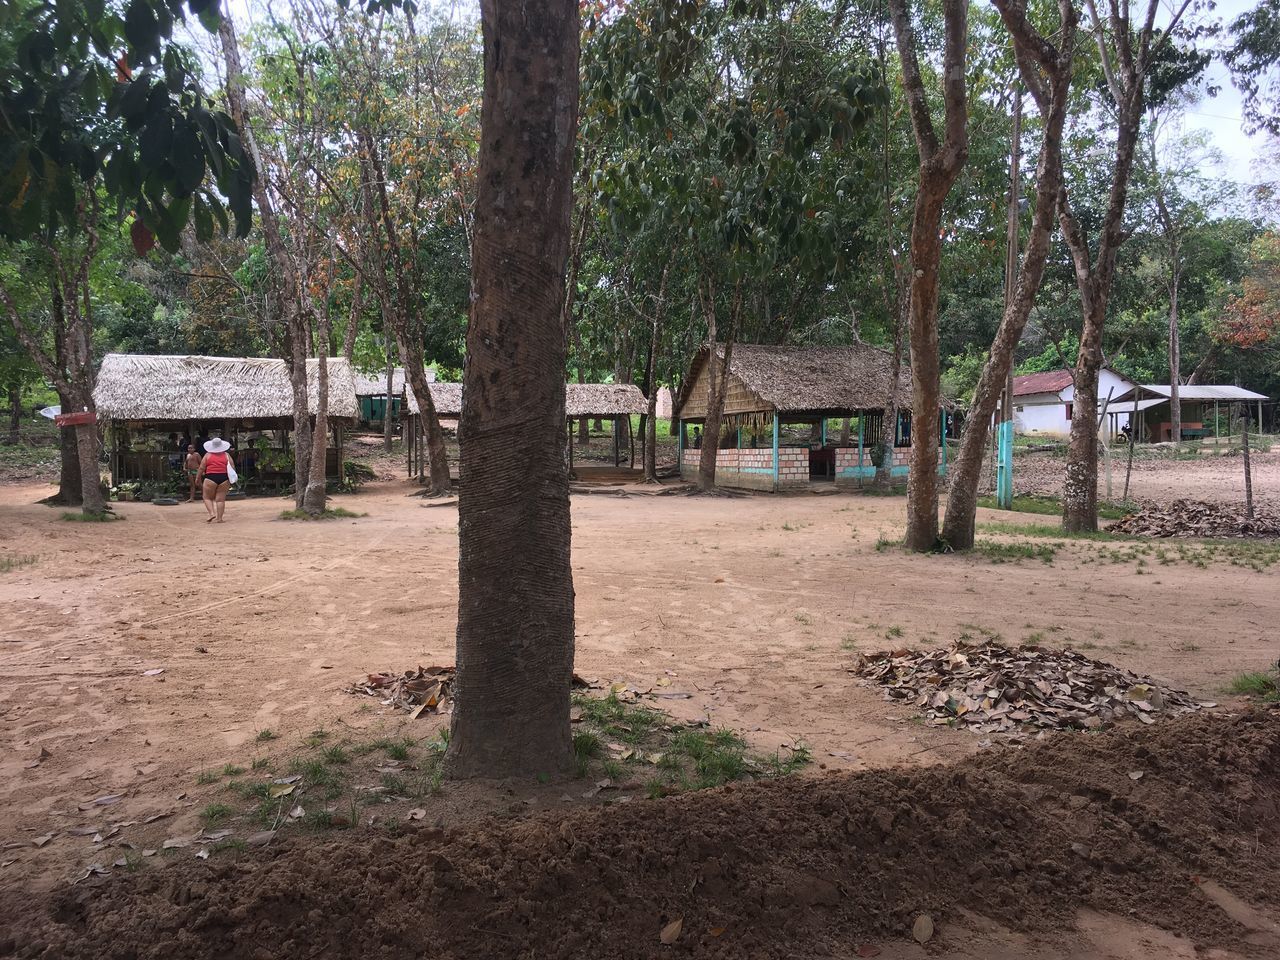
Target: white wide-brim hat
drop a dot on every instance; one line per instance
(216, 445)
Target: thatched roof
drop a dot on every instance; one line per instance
(603, 400)
(447, 398)
(808, 379)
(581, 400)
(375, 384)
(139, 387)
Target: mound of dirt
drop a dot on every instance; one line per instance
(1134, 820)
(1196, 518)
(991, 688)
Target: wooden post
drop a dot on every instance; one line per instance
(860, 421)
(1248, 472)
(570, 448)
(616, 454)
(777, 430)
(824, 433)
(1133, 441)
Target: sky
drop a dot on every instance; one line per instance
(1220, 116)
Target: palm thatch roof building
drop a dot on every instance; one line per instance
(604, 401)
(242, 399)
(772, 387)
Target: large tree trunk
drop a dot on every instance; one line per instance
(69, 490)
(515, 584)
(940, 165)
(717, 386)
(650, 443)
(1035, 55)
(353, 322)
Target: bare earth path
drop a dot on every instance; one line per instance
(754, 606)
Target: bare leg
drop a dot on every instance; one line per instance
(210, 492)
(191, 493)
(223, 490)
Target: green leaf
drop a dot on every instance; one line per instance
(187, 155)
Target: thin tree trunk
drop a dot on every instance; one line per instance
(940, 165)
(889, 421)
(15, 411)
(313, 501)
(69, 489)
(287, 282)
(353, 322)
(415, 371)
(1037, 58)
(515, 637)
(650, 444)
(1248, 470)
(387, 432)
(1175, 364)
(717, 386)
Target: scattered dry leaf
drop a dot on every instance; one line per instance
(671, 932)
(922, 929)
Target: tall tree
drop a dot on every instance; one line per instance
(1128, 57)
(515, 635)
(1046, 69)
(940, 164)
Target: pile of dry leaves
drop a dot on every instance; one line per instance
(425, 690)
(1195, 518)
(989, 688)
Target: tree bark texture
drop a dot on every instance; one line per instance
(515, 636)
(313, 500)
(940, 165)
(387, 432)
(889, 423)
(650, 443)
(1046, 71)
(717, 386)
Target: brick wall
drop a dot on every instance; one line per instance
(752, 469)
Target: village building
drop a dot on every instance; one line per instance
(617, 402)
(371, 391)
(771, 390)
(150, 405)
(1043, 405)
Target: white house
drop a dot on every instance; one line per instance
(1042, 402)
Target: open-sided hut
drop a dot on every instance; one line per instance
(148, 404)
(371, 393)
(770, 388)
(604, 401)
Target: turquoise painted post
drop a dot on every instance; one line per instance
(859, 445)
(1004, 468)
(824, 431)
(776, 437)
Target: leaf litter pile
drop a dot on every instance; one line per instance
(1196, 518)
(424, 690)
(991, 688)
(1165, 824)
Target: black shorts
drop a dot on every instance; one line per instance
(218, 478)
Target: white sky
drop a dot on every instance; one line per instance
(1220, 116)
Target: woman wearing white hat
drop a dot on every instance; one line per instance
(218, 470)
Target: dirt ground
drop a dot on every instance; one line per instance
(753, 606)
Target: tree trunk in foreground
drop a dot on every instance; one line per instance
(1037, 59)
(940, 165)
(386, 409)
(515, 584)
(651, 385)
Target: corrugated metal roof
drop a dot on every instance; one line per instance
(1205, 391)
(1050, 381)
(1126, 406)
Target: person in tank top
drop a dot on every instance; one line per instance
(215, 469)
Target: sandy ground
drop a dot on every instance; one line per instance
(753, 605)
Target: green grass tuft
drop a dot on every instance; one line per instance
(330, 513)
(215, 813)
(14, 563)
(998, 552)
(1265, 686)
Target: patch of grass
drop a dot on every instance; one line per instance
(394, 785)
(329, 513)
(1010, 528)
(847, 642)
(883, 543)
(105, 517)
(228, 843)
(316, 772)
(399, 750)
(893, 633)
(804, 617)
(14, 563)
(335, 754)
(998, 552)
(231, 770)
(316, 738)
(1034, 503)
(261, 763)
(1265, 686)
(265, 735)
(206, 777)
(215, 813)
(261, 791)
